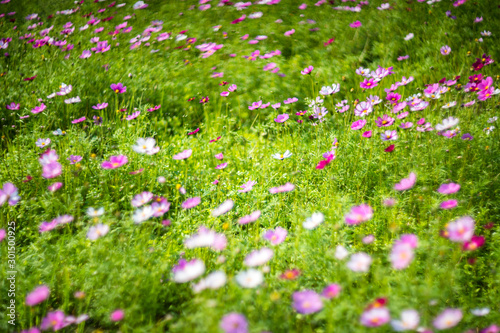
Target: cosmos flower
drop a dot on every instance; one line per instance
(363, 109)
(331, 291)
(461, 230)
(359, 214)
(73, 159)
(449, 188)
(448, 318)
(312, 222)
(250, 218)
(250, 278)
(38, 295)
(206, 238)
(97, 231)
(183, 155)
(186, 271)
(283, 188)
(375, 316)
(234, 323)
(448, 204)
(368, 84)
(307, 70)
(409, 320)
(276, 236)
(281, 118)
(406, 183)
(191, 202)
(118, 88)
(307, 302)
(389, 135)
(358, 124)
(115, 162)
(225, 207)
(146, 146)
(279, 156)
(259, 257)
(248, 186)
(445, 50)
(355, 24)
(214, 280)
(359, 262)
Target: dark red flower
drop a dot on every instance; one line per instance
(389, 149)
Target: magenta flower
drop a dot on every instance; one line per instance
(289, 32)
(12, 106)
(331, 291)
(355, 24)
(448, 204)
(307, 70)
(359, 214)
(183, 155)
(406, 183)
(283, 188)
(307, 302)
(276, 236)
(384, 121)
(393, 97)
(115, 162)
(368, 84)
(78, 120)
(38, 295)
(38, 109)
(475, 243)
(448, 188)
(117, 315)
(367, 134)
(358, 124)
(406, 125)
(282, 118)
(234, 323)
(191, 202)
(133, 115)
(118, 88)
(461, 230)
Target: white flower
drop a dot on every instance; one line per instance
(360, 262)
(97, 231)
(489, 129)
(250, 278)
(214, 280)
(327, 90)
(259, 257)
(225, 207)
(279, 156)
(409, 36)
(146, 146)
(409, 321)
(91, 212)
(315, 220)
(143, 214)
(341, 252)
(189, 271)
(492, 120)
(447, 124)
(449, 105)
(480, 311)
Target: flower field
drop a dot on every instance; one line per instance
(261, 166)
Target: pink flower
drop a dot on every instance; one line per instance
(445, 50)
(250, 218)
(183, 155)
(38, 295)
(283, 188)
(117, 315)
(221, 166)
(447, 319)
(307, 302)
(401, 256)
(281, 118)
(475, 243)
(115, 162)
(51, 170)
(53, 320)
(329, 156)
(290, 32)
(406, 183)
(375, 316)
(276, 236)
(448, 204)
(219, 156)
(358, 124)
(54, 187)
(307, 70)
(359, 214)
(191, 202)
(248, 186)
(448, 188)
(461, 230)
